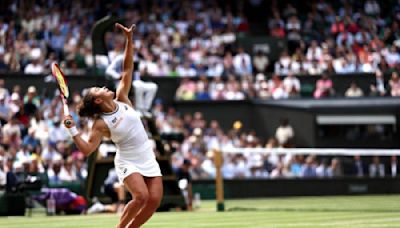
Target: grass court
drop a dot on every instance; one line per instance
(300, 212)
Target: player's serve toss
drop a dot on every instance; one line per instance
(135, 160)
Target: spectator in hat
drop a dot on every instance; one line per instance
(15, 103)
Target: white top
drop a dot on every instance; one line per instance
(127, 131)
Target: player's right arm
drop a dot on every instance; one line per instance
(126, 74)
(95, 136)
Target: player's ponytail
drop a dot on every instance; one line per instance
(88, 108)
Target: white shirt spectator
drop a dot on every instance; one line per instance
(208, 167)
(354, 91)
(314, 52)
(58, 133)
(284, 133)
(371, 7)
(3, 176)
(279, 93)
(50, 154)
(66, 175)
(344, 38)
(392, 57)
(186, 71)
(150, 67)
(291, 83)
(242, 63)
(34, 68)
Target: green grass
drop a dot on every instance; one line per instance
(297, 212)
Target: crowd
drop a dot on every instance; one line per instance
(174, 38)
(32, 141)
(350, 37)
(189, 39)
(201, 138)
(290, 86)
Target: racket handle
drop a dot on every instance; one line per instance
(66, 113)
(65, 107)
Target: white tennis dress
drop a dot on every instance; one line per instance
(134, 149)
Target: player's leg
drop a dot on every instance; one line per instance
(155, 188)
(120, 191)
(136, 185)
(150, 93)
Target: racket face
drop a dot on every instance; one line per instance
(58, 74)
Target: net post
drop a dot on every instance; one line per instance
(218, 161)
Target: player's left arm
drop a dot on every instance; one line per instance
(126, 74)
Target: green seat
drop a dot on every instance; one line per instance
(307, 90)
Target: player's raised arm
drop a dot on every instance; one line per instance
(126, 75)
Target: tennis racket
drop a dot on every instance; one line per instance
(63, 86)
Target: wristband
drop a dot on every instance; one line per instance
(73, 131)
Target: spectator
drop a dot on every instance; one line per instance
(354, 90)
(3, 175)
(358, 168)
(378, 88)
(322, 169)
(12, 133)
(185, 182)
(278, 171)
(324, 87)
(67, 172)
(12, 181)
(4, 93)
(394, 166)
(308, 168)
(376, 168)
(57, 132)
(54, 173)
(113, 189)
(276, 87)
(242, 62)
(284, 133)
(186, 90)
(30, 139)
(260, 62)
(35, 67)
(334, 169)
(291, 85)
(5, 111)
(394, 84)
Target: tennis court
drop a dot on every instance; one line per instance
(333, 211)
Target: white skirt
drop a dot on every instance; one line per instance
(142, 161)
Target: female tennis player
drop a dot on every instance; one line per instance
(135, 161)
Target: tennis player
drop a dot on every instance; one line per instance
(135, 160)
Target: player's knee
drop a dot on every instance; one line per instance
(141, 198)
(154, 201)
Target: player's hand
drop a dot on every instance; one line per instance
(68, 121)
(127, 31)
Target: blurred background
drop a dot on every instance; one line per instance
(278, 77)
